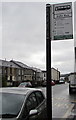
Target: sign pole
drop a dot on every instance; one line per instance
(75, 59)
(48, 62)
(58, 27)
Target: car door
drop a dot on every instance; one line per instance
(41, 107)
(31, 104)
(36, 101)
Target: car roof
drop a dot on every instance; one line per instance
(24, 82)
(17, 90)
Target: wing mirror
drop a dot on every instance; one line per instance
(33, 112)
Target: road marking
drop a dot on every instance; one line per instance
(68, 112)
(73, 101)
(62, 105)
(60, 99)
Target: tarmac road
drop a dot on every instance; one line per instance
(63, 104)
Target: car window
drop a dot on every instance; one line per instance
(31, 102)
(39, 97)
(25, 112)
(25, 84)
(11, 103)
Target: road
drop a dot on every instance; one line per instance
(63, 104)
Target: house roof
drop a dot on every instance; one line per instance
(20, 64)
(44, 71)
(55, 69)
(8, 64)
(36, 69)
(17, 64)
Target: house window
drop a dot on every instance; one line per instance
(10, 70)
(19, 78)
(5, 70)
(11, 78)
(22, 72)
(19, 72)
(8, 78)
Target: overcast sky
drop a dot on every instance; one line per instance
(23, 28)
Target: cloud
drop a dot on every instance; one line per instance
(23, 31)
(24, 37)
(0, 29)
(54, 1)
(63, 55)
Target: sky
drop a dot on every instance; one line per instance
(23, 36)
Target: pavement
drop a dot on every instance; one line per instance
(72, 115)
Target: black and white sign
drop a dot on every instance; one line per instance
(62, 26)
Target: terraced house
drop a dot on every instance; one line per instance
(9, 73)
(27, 73)
(14, 72)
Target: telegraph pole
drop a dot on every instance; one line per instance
(48, 62)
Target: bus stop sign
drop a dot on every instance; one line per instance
(62, 27)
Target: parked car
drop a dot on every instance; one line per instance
(72, 82)
(25, 84)
(22, 104)
(52, 82)
(44, 83)
(61, 81)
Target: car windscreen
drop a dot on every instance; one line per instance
(10, 103)
(23, 84)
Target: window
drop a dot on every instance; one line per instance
(11, 103)
(19, 72)
(10, 70)
(25, 112)
(39, 97)
(31, 102)
(22, 72)
(44, 75)
(11, 78)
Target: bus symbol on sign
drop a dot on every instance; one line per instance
(59, 8)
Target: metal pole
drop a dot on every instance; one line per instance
(75, 60)
(48, 63)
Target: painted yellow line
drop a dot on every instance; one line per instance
(68, 113)
(73, 101)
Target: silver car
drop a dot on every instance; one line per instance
(25, 84)
(22, 104)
